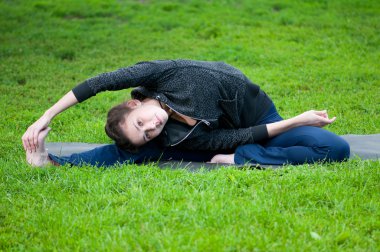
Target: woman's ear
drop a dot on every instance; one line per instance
(133, 103)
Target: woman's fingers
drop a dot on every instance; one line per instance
(322, 113)
(35, 139)
(30, 139)
(31, 146)
(25, 141)
(332, 119)
(324, 117)
(326, 121)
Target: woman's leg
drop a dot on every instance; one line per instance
(297, 146)
(109, 155)
(106, 155)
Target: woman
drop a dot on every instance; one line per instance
(203, 106)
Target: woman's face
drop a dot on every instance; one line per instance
(143, 123)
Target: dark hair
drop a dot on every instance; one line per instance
(115, 117)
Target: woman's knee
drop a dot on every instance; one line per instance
(339, 150)
(333, 146)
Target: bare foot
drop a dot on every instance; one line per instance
(223, 159)
(39, 158)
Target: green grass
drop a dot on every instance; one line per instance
(305, 55)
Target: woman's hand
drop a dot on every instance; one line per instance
(223, 159)
(308, 118)
(30, 137)
(314, 118)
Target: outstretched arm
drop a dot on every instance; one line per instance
(308, 118)
(144, 74)
(30, 137)
(228, 139)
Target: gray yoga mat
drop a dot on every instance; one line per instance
(362, 146)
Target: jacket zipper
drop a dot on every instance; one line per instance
(183, 139)
(199, 121)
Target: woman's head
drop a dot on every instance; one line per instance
(134, 123)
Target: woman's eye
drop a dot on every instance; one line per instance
(147, 135)
(140, 123)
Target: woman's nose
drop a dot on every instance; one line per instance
(151, 126)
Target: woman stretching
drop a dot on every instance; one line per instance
(193, 110)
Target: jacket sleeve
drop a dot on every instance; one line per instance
(226, 139)
(141, 74)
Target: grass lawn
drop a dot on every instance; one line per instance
(304, 54)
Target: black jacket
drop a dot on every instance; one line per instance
(213, 93)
